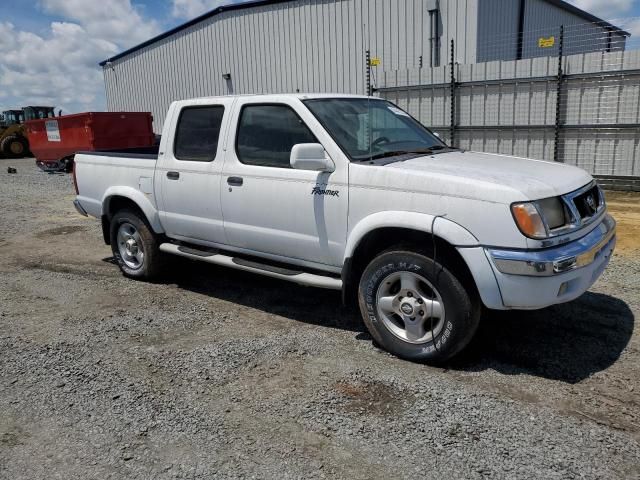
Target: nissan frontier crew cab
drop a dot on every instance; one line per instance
(351, 193)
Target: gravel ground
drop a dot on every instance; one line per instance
(214, 373)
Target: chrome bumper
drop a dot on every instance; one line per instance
(554, 261)
(79, 208)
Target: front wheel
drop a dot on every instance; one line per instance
(416, 308)
(134, 245)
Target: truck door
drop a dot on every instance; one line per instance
(189, 169)
(269, 207)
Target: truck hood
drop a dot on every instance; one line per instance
(492, 177)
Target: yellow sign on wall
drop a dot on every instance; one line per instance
(375, 61)
(546, 42)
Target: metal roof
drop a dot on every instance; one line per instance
(190, 23)
(586, 15)
(259, 3)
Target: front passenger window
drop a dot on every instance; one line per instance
(267, 133)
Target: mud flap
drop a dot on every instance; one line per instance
(106, 229)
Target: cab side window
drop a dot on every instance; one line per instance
(267, 133)
(197, 133)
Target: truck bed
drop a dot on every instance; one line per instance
(124, 172)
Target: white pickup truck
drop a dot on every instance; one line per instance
(352, 193)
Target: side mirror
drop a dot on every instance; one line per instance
(310, 156)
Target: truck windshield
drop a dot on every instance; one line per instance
(368, 129)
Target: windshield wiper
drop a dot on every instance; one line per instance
(397, 153)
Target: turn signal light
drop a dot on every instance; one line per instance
(528, 220)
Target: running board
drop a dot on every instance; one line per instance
(197, 251)
(299, 277)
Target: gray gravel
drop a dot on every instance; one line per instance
(215, 373)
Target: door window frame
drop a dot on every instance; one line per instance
(267, 104)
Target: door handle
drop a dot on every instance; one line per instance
(173, 175)
(235, 181)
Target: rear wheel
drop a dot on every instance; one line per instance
(14, 146)
(417, 308)
(134, 245)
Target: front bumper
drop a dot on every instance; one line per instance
(531, 279)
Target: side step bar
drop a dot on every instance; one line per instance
(299, 277)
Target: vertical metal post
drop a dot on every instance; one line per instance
(520, 39)
(452, 95)
(368, 60)
(369, 92)
(560, 79)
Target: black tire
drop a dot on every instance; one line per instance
(65, 164)
(461, 315)
(14, 146)
(70, 164)
(152, 262)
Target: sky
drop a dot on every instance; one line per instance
(51, 48)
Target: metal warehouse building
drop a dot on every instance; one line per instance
(321, 46)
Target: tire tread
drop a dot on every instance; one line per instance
(467, 302)
(153, 258)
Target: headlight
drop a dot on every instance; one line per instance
(553, 212)
(529, 220)
(555, 216)
(538, 219)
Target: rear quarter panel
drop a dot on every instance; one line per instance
(101, 177)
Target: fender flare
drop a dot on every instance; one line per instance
(137, 197)
(446, 229)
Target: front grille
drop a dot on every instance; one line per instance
(588, 203)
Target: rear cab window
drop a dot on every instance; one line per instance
(197, 133)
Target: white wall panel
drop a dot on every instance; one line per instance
(302, 45)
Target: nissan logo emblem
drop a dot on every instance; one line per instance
(406, 308)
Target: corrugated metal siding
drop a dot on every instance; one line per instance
(303, 45)
(543, 19)
(509, 107)
(497, 29)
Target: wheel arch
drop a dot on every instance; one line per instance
(118, 198)
(382, 231)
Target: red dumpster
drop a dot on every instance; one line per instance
(54, 141)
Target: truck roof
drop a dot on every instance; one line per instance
(276, 96)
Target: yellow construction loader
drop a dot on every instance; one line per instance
(13, 138)
(13, 141)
